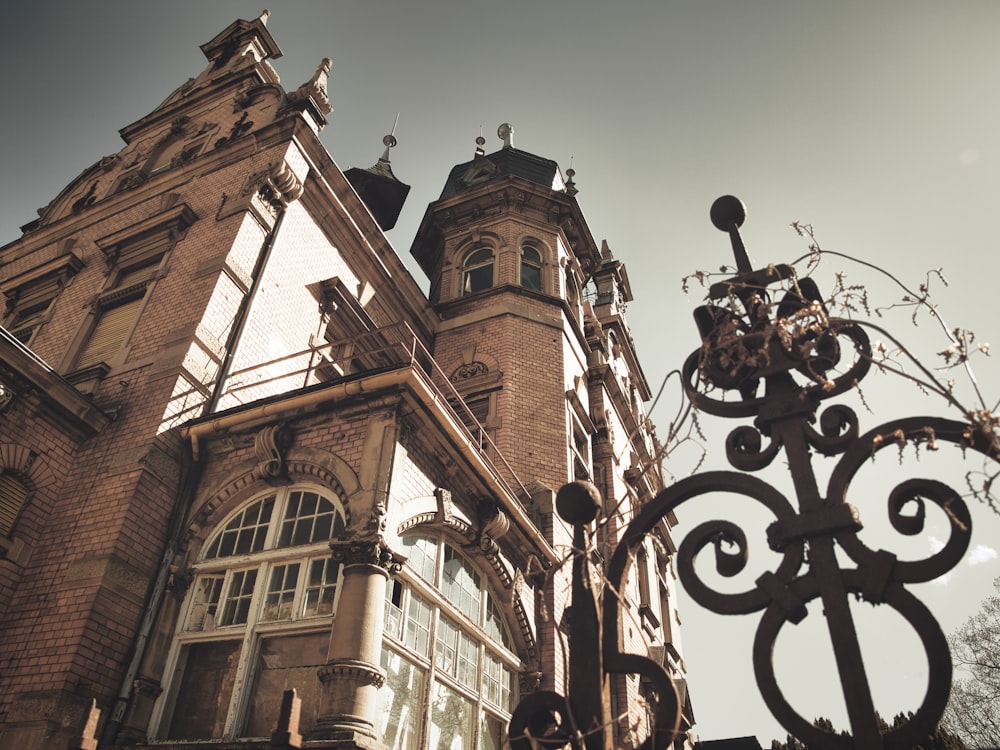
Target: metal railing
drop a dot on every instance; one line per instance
(381, 350)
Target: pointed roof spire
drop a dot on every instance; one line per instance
(264, 15)
(378, 187)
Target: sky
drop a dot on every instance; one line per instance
(876, 123)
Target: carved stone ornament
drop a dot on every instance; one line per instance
(270, 446)
(354, 670)
(372, 552)
(6, 395)
(469, 370)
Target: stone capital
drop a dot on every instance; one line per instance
(372, 552)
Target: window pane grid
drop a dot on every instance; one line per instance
(496, 682)
(321, 589)
(245, 533)
(204, 610)
(281, 593)
(237, 606)
(418, 626)
(460, 583)
(421, 555)
(494, 623)
(468, 661)
(308, 518)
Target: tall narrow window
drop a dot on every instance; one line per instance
(30, 296)
(13, 494)
(531, 268)
(117, 310)
(477, 271)
(450, 667)
(257, 618)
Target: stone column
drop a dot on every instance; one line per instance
(352, 675)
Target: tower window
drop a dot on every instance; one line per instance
(531, 268)
(477, 271)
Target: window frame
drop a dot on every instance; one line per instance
(252, 632)
(534, 265)
(117, 295)
(474, 268)
(435, 673)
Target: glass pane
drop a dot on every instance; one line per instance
(485, 255)
(245, 532)
(393, 612)
(418, 626)
(477, 279)
(309, 518)
(237, 606)
(451, 720)
(400, 701)
(321, 590)
(494, 624)
(468, 662)
(494, 732)
(204, 609)
(445, 648)
(460, 584)
(284, 663)
(531, 277)
(281, 593)
(204, 691)
(498, 683)
(421, 553)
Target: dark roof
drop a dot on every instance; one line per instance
(732, 743)
(508, 162)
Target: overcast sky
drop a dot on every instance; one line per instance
(878, 123)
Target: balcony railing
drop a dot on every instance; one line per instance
(381, 350)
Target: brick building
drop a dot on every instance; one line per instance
(214, 370)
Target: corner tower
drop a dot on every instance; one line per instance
(533, 336)
(532, 309)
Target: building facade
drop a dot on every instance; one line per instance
(241, 451)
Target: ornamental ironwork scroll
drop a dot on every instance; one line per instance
(782, 359)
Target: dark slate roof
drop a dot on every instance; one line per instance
(508, 162)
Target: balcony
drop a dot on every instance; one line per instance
(360, 365)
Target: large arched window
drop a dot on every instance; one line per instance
(477, 271)
(256, 619)
(444, 639)
(531, 268)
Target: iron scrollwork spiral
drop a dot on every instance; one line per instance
(782, 361)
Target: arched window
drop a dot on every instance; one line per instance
(445, 639)
(531, 268)
(256, 618)
(477, 271)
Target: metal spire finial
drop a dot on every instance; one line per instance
(390, 140)
(480, 142)
(570, 174)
